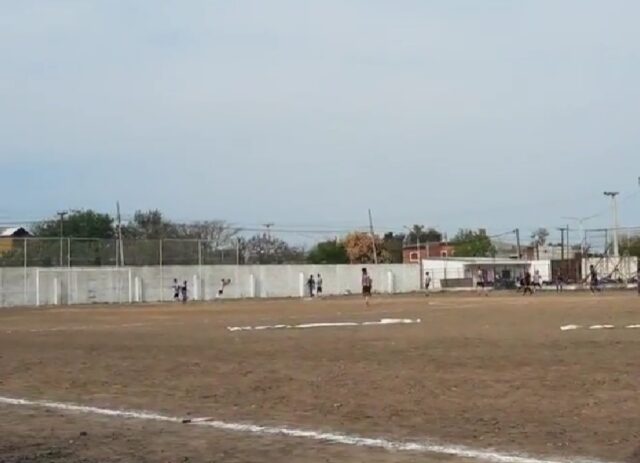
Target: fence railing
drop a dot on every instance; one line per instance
(87, 252)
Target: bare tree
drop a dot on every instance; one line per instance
(217, 233)
(539, 238)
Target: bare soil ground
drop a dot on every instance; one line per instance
(487, 372)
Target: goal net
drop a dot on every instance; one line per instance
(83, 286)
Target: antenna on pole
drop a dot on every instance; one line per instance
(373, 239)
(614, 209)
(268, 227)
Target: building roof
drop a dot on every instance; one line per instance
(13, 231)
(483, 260)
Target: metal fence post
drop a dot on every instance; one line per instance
(25, 271)
(161, 276)
(200, 284)
(68, 272)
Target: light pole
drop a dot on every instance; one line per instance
(61, 214)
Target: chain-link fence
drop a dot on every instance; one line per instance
(86, 252)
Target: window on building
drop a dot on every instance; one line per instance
(443, 254)
(414, 257)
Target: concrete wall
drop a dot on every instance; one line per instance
(45, 286)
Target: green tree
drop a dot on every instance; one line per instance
(630, 246)
(426, 235)
(394, 243)
(92, 244)
(469, 243)
(150, 225)
(78, 224)
(328, 252)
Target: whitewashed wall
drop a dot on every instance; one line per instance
(35, 286)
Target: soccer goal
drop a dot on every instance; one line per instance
(83, 285)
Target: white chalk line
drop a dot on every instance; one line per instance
(75, 328)
(384, 321)
(489, 456)
(597, 327)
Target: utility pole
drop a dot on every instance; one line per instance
(561, 243)
(120, 236)
(61, 214)
(373, 239)
(614, 209)
(269, 244)
(517, 232)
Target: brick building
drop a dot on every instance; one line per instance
(411, 253)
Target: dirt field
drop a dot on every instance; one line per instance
(485, 372)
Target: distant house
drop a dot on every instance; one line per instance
(414, 253)
(8, 235)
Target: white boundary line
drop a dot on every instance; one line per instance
(488, 456)
(383, 321)
(72, 328)
(596, 327)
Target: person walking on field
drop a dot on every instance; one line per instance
(427, 283)
(481, 283)
(367, 283)
(537, 280)
(184, 292)
(593, 280)
(527, 284)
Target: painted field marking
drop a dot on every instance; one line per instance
(430, 446)
(596, 327)
(74, 328)
(384, 321)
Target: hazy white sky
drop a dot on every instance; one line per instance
(449, 113)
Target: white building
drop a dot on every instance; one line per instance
(462, 272)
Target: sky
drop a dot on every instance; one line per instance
(450, 113)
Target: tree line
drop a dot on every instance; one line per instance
(217, 241)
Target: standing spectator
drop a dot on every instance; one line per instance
(176, 290)
(319, 286)
(311, 284)
(559, 283)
